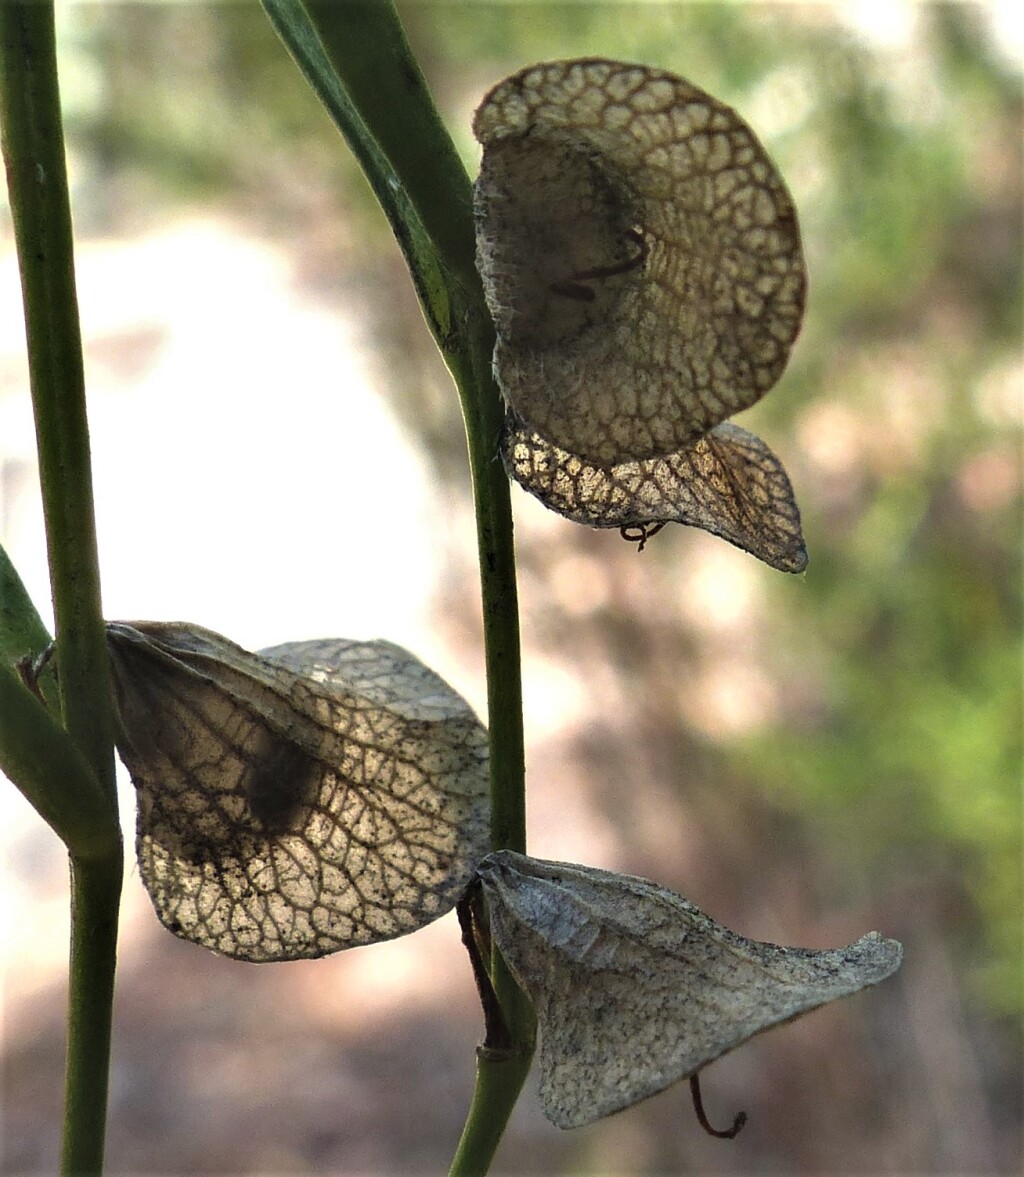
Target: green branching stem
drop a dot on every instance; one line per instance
(23, 636)
(80, 793)
(356, 58)
(37, 181)
(35, 751)
(22, 631)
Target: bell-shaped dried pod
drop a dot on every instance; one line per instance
(640, 256)
(636, 988)
(315, 796)
(728, 482)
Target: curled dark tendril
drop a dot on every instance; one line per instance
(698, 1106)
(640, 533)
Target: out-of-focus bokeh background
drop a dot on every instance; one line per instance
(279, 455)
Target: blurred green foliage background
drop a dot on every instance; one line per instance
(864, 753)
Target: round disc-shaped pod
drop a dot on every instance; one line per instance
(640, 255)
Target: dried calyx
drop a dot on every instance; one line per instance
(320, 795)
(307, 798)
(635, 988)
(642, 263)
(728, 483)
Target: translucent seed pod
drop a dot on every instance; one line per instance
(311, 797)
(640, 255)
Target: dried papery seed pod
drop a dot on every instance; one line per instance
(728, 482)
(640, 256)
(311, 797)
(636, 988)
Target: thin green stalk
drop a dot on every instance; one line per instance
(358, 61)
(95, 898)
(499, 1076)
(385, 111)
(33, 148)
(22, 632)
(497, 1087)
(35, 753)
(367, 47)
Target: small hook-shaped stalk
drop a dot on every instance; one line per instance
(702, 1119)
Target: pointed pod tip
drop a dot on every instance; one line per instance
(875, 956)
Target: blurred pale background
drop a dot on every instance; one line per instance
(279, 455)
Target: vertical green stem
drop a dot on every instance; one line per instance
(388, 116)
(481, 407)
(33, 148)
(95, 897)
(37, 180)
(499, 1075)
(497, 1087)
(356, 57)
(42, 760)
(365, 45)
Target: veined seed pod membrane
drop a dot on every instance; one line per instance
(642, 263)
(728, 483)
(293, 802)
(636, 988)
(640, 255)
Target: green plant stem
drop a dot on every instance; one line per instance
(22, 632)
(33, 148)
(95, 896)
(402, 143)
(357, 60)
(35, 751)
(497, 1087)
(398, 108)
(499, 1075)
(37, 180)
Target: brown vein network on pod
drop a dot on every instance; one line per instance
(640, 255)
(310, 797)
